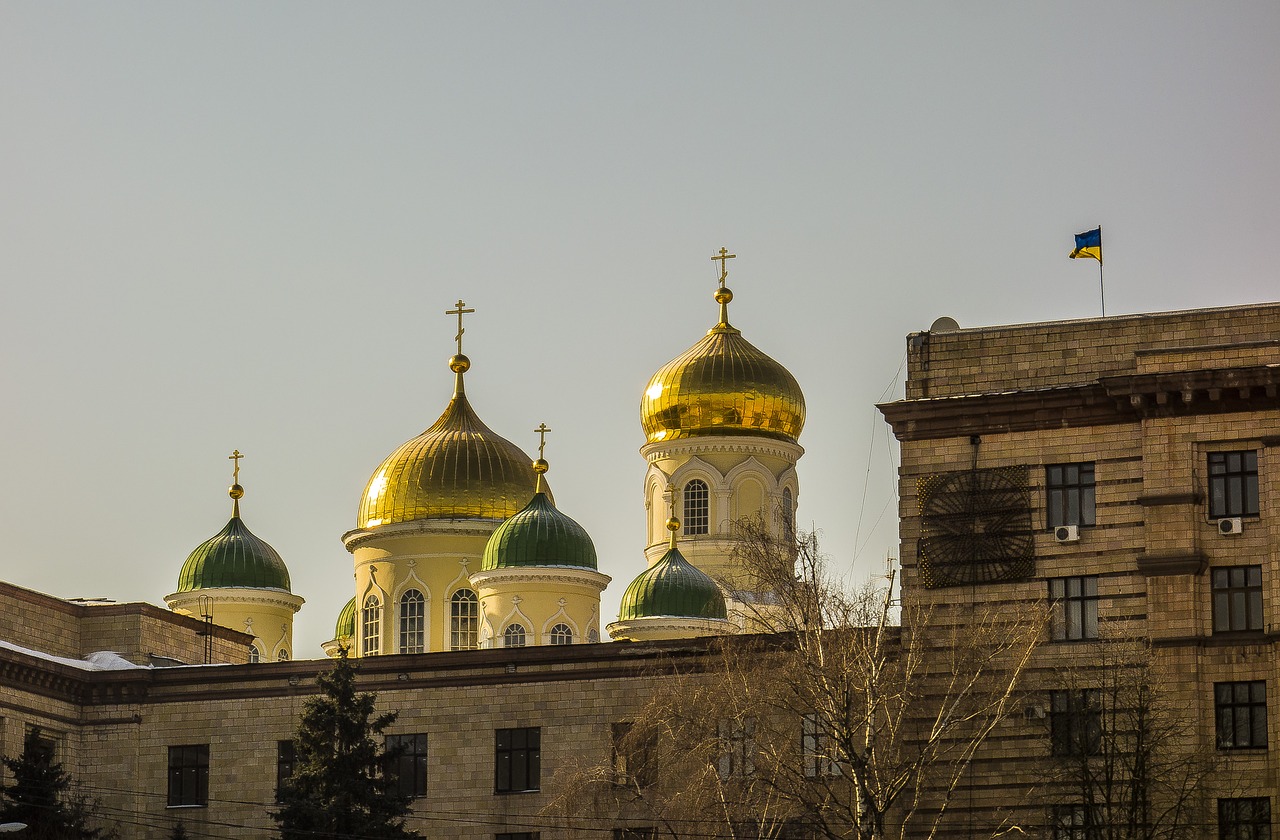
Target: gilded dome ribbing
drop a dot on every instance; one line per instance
(672, 587)
(722, 385)
(539, 535)
(457, 469)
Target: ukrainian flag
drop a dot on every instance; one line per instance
(1088, 244)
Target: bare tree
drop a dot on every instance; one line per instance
(834, 721)
(1127, 764)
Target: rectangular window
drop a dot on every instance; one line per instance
(189, 775)
(816, 748)
(1241, 712)
(737, 740)
(1244, 819)
(286, 761)
(1233, 484)
(1075, 608)
(407, 763)
(517, 761)
(1237, 599)
(647, 832)
(1069, 494)
(634, 755)
(1071, 822)
(1075, 722)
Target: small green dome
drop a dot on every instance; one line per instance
(539, 535)
(672, 587)
(234, 558)
(346, 626)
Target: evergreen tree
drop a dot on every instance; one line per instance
(339, 787)
(179, 831)
(39, 797)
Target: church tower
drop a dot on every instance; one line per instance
(240, 581)
(538, 583)
(424, 519)
(722, 423)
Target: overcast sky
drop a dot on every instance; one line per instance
(238, 225)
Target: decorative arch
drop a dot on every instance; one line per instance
(515, 616)
(695, 507)
(515, 635)
(749, 498)
(371, 623)
(561, 617)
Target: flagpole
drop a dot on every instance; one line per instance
(1102, 291)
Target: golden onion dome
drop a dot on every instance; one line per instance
(722, 385)
(457, 469)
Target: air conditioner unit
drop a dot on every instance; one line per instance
(1067, 533)
(1234, 525)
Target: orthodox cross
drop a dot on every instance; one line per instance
(460, 311)
(235, 473)
(542, 437)
(723, 257)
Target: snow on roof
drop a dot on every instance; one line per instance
(103, 660)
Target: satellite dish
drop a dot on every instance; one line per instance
(944, 324)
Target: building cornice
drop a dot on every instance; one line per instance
(461, 527)
(673, 624)
(541, 574)
(229, 594)
(737, 444)
(1107, 401)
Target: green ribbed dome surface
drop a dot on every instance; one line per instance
(346, 626)
(539, 535)
(672, 587)
(236, 558)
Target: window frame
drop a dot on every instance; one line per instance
(407, 760)
(696, 506)
(371, 625)
(1251, 819)
(634, 755)
(464, 620)
(1237, 599)
(286, 763)
(188, 776)
(561, 634)
(1075, 722)
(737, 754)
(1074, 608)
(1070, 497)
(1072, 821)
(514, 635)
(412, 621)
(517, 757)
(1233, 487)
(1240, 722)
(815, 748)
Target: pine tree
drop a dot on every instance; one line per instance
(39, 796)
(179, 831)
(339, 787)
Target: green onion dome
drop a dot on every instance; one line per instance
(539, 535)
(346, 626)
(672, 587)
(233, 558)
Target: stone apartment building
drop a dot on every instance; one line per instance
(1126, 470)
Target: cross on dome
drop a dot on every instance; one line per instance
(542, 438)
(460, 311)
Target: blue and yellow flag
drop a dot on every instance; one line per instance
(1088, 244)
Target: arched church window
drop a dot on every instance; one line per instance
(562, 634)
(282, 656)
(371, 626)
(788, 515)
(697, 507)
(513, 636)
(413, 625)
(464, 620)
(593, 635)
(255, 655)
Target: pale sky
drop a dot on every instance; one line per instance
(238, 225)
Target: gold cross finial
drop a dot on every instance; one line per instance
(235, 473)
(542, 438)
(673, 524)
(460, 311)
(723, 257)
